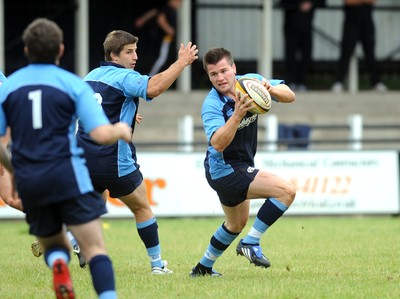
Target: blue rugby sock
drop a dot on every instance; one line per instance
(270, 211)
(103, 276)
(219, 242)
(55, 253)
(148, 232)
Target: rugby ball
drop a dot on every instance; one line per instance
(257, 92)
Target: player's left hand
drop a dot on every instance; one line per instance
(139, 118)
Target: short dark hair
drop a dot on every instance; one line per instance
(43, 38)
(214, 55)
(115, 42)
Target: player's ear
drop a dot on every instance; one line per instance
(60, 53)
(26, 51)
(113, 56)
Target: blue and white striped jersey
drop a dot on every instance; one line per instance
(41, 103)
(118, 90)
(216, 111)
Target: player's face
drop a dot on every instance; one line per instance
(222, 77)
(127, 57)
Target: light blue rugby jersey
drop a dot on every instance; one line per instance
(216, 111)
(41, 103)
(2, 78)
(119, 90)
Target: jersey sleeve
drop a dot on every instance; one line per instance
(212, 115)
(135, 85)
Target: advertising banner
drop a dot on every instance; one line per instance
(327, 183)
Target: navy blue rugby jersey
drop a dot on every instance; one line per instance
(216, 111)
(41, 103)
(118, 90)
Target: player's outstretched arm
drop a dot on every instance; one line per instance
(109, 134)
(282, 93)
(162, 81)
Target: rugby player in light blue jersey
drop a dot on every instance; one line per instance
(231, 130)
(41, 104)
(9, 199)
(114, 168)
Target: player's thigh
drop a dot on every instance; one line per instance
(90, 238)
(267, 184)
(124, 186)
(137, 199)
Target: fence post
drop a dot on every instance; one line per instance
(271, 132)
(185, 133)
(184, 34)
(355, 122)
(353, 73)
(267, 35)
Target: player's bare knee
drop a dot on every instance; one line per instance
(238, 224)
(290, 193)
(235, 227)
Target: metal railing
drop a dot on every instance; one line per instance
(270, 138)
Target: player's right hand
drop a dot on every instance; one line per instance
(243, 104)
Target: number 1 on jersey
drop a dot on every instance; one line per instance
(36, 98)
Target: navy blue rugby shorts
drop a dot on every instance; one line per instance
(232, 189)
(47, 220)
(118, 186)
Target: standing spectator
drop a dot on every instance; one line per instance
(115, 168)
(163, 33)
(167, 23)
(358, 26)
(229, 164)
(298, 21)
(146, 29)
(41, 103)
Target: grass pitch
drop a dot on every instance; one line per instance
(312, 257)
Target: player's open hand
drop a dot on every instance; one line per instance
(138, 118)
(187, 54)
(243, 104)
